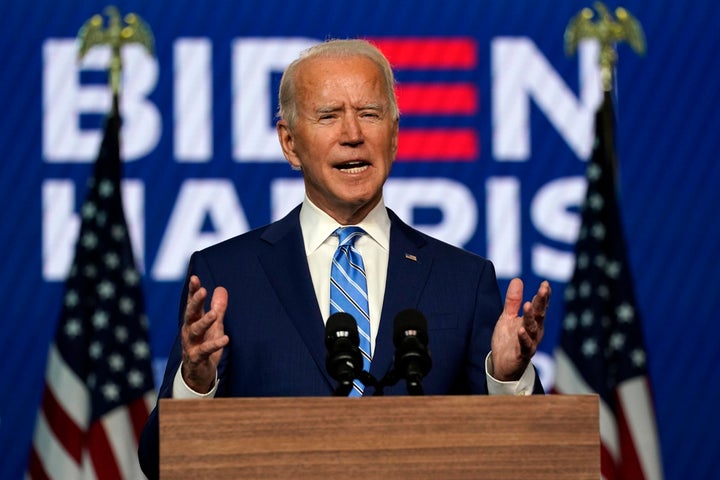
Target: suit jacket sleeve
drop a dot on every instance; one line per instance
(148, 446)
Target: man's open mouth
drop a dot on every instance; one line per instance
(353, 167)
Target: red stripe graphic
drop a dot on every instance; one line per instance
(429, 53)
(438, 144)
(430, 144)
(437, 98)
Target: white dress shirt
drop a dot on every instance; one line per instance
(320, 245)
(374, 247)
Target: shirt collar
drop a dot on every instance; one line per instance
(317, 225)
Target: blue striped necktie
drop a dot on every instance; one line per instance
(348, 292)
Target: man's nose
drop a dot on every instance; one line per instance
(352, 131)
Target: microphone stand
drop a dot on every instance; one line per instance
(414, 383)
(344, 387)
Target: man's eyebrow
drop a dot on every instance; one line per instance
(328, 108)
(371, 106)
(322, 109)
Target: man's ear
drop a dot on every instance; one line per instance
(287, 143)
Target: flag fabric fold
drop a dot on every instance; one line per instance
(98, 383)
(601, 348)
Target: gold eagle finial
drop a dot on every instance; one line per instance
(117, 34)
(608, 31)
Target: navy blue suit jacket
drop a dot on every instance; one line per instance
(277, 333)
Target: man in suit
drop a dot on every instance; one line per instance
(261, 332)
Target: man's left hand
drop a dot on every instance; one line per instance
(516, 338)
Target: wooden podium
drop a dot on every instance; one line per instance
(434, 437)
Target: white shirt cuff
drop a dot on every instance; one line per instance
(182, 391)
(523, 386)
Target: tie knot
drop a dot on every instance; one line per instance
(348, 235)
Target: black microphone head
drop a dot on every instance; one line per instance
(341, 325)
(412, 356)
(410, 323)
(344, 361)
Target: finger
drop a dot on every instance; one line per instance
(535, 312)
(207, 348)
(198, 323)
(513, 298)
(219, 302)
(541, 300)
(527, 345)
(195, 303)
(530, 319)
(213, 319)
(197, 329)
(193, 286)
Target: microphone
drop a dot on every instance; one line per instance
(412, 357)
(344, 360)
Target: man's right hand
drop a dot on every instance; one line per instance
(203, 336)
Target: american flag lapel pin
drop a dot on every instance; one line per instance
(410, 256)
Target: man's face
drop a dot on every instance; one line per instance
(344, 138)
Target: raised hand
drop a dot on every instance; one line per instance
(516, 338)
(203, 336)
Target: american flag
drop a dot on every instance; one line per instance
(601, 348)
(98, 383)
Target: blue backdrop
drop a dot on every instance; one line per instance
(495, 163)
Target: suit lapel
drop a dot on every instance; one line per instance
(408, 267)
(286, 265)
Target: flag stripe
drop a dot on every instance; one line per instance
(607, 464)
(441, 144)
(139, 410)
(68, 388)
(88, 471)
(63, 426)
(53, 457)
(123, 434)
(437, 98)
(101, 453)
(35, 468)
(629, 466)
(634, 396)
(609, 430)
(569, 380)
